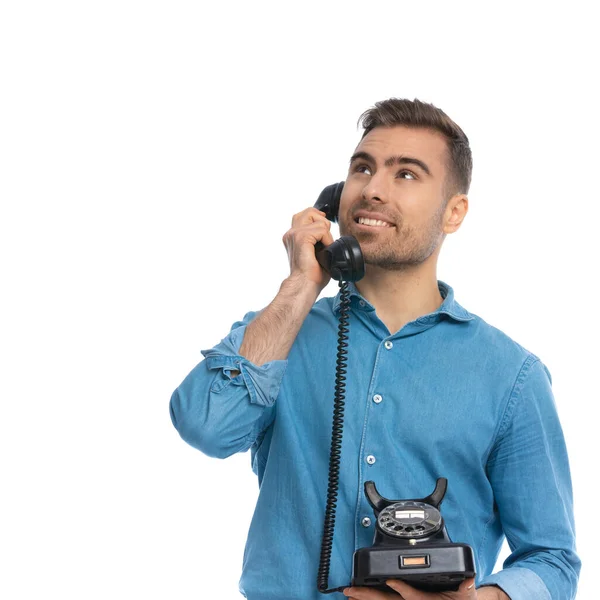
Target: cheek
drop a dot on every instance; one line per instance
(419, 209)
(350, 195)
(344, 212)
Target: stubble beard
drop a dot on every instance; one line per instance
(405, 248)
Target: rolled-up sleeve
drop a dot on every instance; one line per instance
(220, 414)
(529, 472)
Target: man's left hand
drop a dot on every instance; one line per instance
(466, 591)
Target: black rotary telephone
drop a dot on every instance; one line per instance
(411, 542)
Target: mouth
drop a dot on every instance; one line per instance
(364, 223)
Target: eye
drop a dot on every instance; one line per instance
(363, 169)
(404, 171)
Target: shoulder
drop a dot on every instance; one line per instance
(499, 347)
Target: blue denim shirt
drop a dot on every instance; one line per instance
(448, 395)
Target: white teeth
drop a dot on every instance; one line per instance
(365, 221)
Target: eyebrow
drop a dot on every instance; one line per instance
(393, 160)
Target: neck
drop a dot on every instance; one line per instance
(400, 297)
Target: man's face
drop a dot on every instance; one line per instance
(385, 183)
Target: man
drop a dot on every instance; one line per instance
(431, 390)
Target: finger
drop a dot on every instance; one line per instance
(366, 593)
(467, 589)
(327, 238)
(317, 231)
(308, 215)
(407, 591)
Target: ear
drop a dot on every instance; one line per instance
(455, 212)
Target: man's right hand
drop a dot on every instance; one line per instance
(308, 227)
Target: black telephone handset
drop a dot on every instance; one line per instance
(411, 542)
(343, 259)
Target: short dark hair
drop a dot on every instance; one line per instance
(414, 113)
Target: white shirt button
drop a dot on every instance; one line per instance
(388, 344)
(371, 459)
(365, 521)
(377, 398)
(362, 302)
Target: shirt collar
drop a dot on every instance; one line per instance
(448, 307)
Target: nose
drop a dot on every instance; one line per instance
(376, 190)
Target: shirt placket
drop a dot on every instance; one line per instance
(370, 457)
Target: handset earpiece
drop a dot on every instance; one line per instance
(343, 259)
(329, 201)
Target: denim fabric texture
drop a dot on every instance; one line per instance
(448, 395)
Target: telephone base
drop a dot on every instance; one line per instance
(427, 567)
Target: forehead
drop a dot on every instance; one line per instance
(428, 145)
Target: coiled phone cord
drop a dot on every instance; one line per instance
(336, 444)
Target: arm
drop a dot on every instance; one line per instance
(225, 403)
(271, 335)
(529, 472)
(219, 412)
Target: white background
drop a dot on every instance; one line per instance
(152, 156)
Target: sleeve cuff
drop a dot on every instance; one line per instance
(519, 583)
(262, 382)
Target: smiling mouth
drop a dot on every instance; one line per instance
(373, 223)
